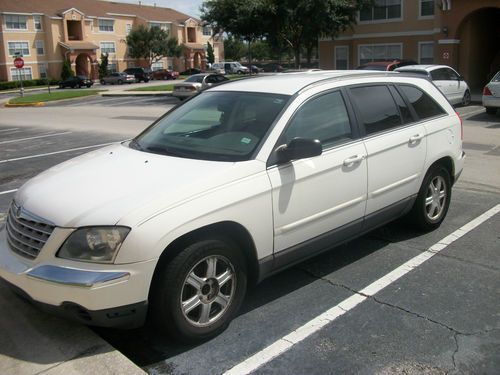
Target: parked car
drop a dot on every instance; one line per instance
(272, 67)
(118, 78)
(196, 83)
(165, 74)
(452, 84)
(255, 69)
(491, 95)
(239, 182)
(388, 65)
(190, 71)
(231, 67)
(76, 82)
(140, 74)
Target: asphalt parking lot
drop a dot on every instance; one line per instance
(440, 316)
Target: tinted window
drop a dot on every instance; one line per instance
(442, 74)
(324, 118)
(423, 104)
(403, 108)
(376, 108)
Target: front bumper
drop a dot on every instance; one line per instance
(109, 295)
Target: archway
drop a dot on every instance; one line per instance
(479, 50)
(83, 64)
(197, 60)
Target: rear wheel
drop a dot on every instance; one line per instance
(433, 199)
(120, 81)
(199, 292)
(491, 110)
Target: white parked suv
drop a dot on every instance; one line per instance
(237, 183)
(447, 79)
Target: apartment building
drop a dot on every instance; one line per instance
(47, 32)
(463, 34)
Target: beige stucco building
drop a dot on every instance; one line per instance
(47, 32)
(464, 34)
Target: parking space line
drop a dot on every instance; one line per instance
(8, 191)
(8, 130)
(286, 342)
(56, 152)
(35, 137)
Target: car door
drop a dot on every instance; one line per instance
(456, 84)
(396, 149)
(443, 81)
(313, 197)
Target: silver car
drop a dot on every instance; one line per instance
(118, 78)
(196, 83)
(491, 95)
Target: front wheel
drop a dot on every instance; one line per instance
(466, 98)
(433, 199)
(199, 292)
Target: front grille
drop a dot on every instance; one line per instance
(26, 233)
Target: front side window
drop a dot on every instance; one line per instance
(424, 105)
(376, 108)
(108, 47)
(16, 22)
(107, 26)
(378, 52)
(382, 10)
(22, 48)
(323, 118)
(224, 126)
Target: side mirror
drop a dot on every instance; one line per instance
(298, 148)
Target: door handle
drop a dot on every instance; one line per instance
(354, 159)
(415, 138)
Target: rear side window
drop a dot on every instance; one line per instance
(424, 105)
(376, 108)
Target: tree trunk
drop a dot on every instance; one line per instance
(296, 54)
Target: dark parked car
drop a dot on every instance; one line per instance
(140, 74)
(76, 82)
(165, 74)
(272, 67)
(118, 78)
(190, 72)
(255, 69)
(388, 65)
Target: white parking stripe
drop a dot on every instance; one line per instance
(8, 130)
(285, 343)
(36, 137)
(55, 152)
(8, 191)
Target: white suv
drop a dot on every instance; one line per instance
(237, 183)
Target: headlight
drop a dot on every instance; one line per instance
(94, 244)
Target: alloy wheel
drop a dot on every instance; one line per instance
(435, 199)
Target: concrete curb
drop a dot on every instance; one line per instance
(137, 93)
(34, 104)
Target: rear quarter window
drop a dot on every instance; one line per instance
(423, 104)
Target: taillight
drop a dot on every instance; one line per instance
(487, 91)
(461, 126)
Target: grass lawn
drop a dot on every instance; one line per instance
(54, 95)
(168, 87)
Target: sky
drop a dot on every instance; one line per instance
(189, 7)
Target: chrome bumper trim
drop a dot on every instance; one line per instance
(75, 277)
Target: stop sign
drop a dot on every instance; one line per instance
(18, 62)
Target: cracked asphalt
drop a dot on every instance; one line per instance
(441, 318)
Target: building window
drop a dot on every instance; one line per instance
(207, 31)
(107, 26)
(16, 22)
(376, 52)
(128, 28)
(341, 57)
(40, 47)
(426, 53)
(191, 34)
(108, 47)
(157, 65)
(22, 48)
(381, 11)
(23, 73)
(112, 67)
(426, 8)
(43, 70)
(37, 20)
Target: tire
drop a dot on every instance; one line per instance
(120, 82)
(88, 86)
(466, 99)
(103, 82)
(198, 293)
(491, 110)
(433, 199)
(77, 86)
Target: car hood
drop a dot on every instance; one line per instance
(120, 185)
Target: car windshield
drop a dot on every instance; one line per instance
(196, 78)
(225, 126)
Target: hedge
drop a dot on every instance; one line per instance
(9, 85)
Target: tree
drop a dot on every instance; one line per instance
(152, 44)
(234, 49)
(210, 53)
(103, 66)
(66, 71)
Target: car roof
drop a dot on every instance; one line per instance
(291, 83)
(427, 68)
